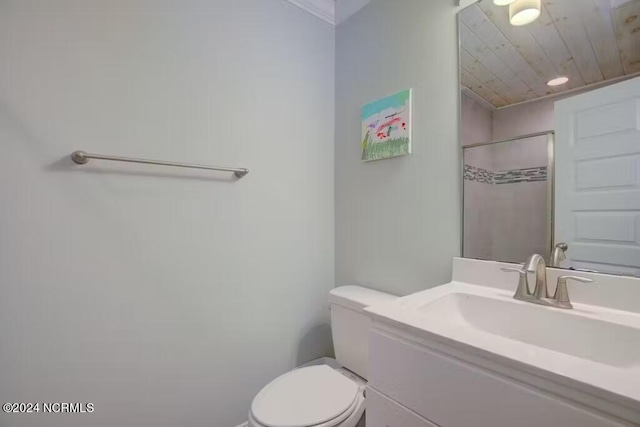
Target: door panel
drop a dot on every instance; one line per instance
(597, 187)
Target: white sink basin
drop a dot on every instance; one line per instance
(589, 345)
(550, 328)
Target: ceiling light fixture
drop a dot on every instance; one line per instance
(523, 12)
(558, 81)
(503, 2)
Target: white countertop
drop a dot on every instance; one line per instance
(616, 380)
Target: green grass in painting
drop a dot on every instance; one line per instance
(382, 150)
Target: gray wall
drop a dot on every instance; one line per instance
(398, 220)
(165, 297)
(524, 119)
(477, 122)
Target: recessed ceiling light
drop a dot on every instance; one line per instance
(503, 2)
(558, 81)
(523, 12)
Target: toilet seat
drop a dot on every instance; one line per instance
(316, 396)
(344, 420)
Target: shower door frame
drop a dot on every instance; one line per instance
(550, 134)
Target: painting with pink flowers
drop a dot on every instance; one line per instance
(386, 127)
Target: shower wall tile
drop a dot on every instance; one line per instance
(520, 175)
(515, 176)
(472, 173)
(506, 222)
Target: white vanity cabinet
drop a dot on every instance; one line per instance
(384, 412)
(412, 385)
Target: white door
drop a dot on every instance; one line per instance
(597, 185)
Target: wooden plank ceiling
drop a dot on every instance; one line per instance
(589, 41)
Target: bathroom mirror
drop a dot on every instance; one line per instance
(550, 132)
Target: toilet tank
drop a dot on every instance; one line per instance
(350, 326)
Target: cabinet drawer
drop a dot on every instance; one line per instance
(384, 412)
(452, 393)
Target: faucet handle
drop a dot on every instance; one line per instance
(576, 278)
(513, 270)
(522, 292)
(561, 296)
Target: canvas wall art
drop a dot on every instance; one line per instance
(386, 127)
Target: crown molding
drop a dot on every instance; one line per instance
(464, 3)
(477, 98)
(346, 8)
(323, 9)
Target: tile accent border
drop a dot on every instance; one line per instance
(521, 175)
(514, 176)
(472, 173)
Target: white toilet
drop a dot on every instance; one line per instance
(321, 395)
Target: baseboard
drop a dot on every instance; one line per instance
(243, 425)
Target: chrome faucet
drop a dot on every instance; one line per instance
(558, 254)
(536, 264)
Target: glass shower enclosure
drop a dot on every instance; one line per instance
(508, 198)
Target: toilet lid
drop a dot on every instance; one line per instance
(304, 397)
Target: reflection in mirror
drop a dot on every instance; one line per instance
(551, 133)
(507, 199)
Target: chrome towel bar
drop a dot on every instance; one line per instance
(81, 158)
